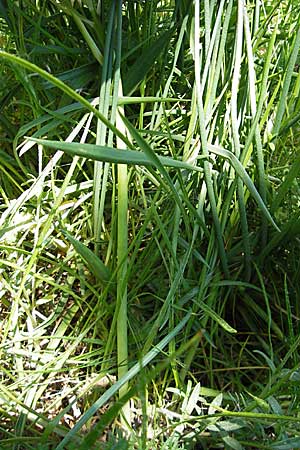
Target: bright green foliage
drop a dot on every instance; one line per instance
(149, 229)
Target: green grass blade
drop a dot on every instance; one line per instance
(110, 154)
(122, 236)
(204, 142)
(213, 315)
(150, 154)
(235, 129)
(287, 81)
(96, 266)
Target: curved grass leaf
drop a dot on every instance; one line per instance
(77, 78)
(286, 444)
(289, 231)
(109, 154)
(288, 124)
(213, 315)
(240, 170)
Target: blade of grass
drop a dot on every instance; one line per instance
(235, 131)
(203, 136)
(96, 266)
(110, 154)
(100, 172)
(122, 236)
(287, 81)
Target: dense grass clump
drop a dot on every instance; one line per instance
(149, 230)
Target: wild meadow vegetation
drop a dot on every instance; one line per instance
(149, 228)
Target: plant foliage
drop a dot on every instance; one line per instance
(149, 229)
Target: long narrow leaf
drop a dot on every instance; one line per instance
(96, 266)
(109, 154)
(213, 315)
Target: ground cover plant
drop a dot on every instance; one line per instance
(149, 230)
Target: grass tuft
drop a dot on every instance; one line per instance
(149, 229)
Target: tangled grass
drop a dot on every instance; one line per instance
(149, 231)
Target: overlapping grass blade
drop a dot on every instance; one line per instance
(63, 87)
(199, 162)
(204, 142)
(130, 374)
(138, 71)
(240, 170)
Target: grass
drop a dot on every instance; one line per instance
(149, 230)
